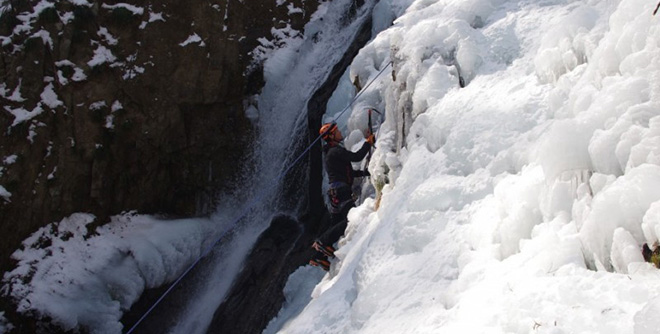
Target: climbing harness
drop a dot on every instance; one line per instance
(340, 194)
(257, 199)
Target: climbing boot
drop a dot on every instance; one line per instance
(328, 251)
(324, 264)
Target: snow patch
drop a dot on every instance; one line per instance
(23, 115)
(11, 159)
(45, 37)
(51, 176)
(194, 38)
(293, 9)
(85, 279)
(78, 75)
(4, 193)
(133, 9)
(98, 105)
(109, 122)
(153, 17)
(16, 93)
(102, 55)
(116, 106)
(81, 3)
(49, 97)
(111, 40)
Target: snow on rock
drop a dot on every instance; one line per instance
(132, 8)
(293, 9)
(52, 174)
(29, 18)
(86, 279)
(111, 40)
(16, 93)
(5, 194)
(81, 3)
(78, 74)
(110, 119)
(102, 55)
(49, 97)
(194, 38)
(110, 122)
(22, 115)
(97, 105)
(45, 37)
(153, 17)
(8, 160)
(116, 106)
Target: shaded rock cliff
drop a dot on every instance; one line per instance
(110, 106)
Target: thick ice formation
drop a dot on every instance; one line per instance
(518, 203)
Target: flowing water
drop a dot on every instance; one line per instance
(292, 77)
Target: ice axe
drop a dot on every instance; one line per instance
(371, 128)
(370, 122)
(371, 131)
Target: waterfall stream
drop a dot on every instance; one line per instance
(282, 130)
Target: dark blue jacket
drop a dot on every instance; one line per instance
(338, 163)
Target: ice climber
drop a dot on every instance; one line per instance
(337, 160)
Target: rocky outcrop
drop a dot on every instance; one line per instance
(112, 106)
(109, 106)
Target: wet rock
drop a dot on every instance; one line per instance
(257, 293)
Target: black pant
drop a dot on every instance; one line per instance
(338, 225)
(337, 228)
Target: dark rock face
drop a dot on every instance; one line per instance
(107, 107)
(125, 105)
(121, 109)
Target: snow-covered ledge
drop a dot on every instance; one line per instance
(86, 279)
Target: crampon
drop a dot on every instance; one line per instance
(324, 264)
(328, 251)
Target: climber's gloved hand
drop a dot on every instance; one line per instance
(371, 139)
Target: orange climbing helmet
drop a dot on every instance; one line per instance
(327, 130)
